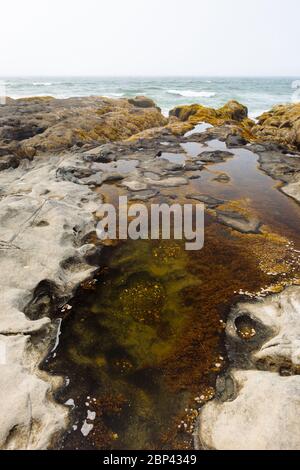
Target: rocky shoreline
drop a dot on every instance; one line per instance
(59, 159)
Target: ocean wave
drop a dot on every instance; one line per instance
(254, 115)
(42, 83)
(114, 95)
(192, 94)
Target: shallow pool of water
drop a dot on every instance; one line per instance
(143, 341)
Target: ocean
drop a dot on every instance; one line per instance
(258, 94)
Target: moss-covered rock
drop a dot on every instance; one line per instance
(281, 124)
(45, 124)
(232, 113)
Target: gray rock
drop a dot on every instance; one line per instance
(134, 185)
(104, 153)
(170, 182)
(259, 409)
(264, 416)
(191, 167)
(215, 156)
(143, 195)
(235, 140)
(151, 175)
(239, 222)
(210, 201)
(112, 176)
(44, 221)
(142, 102)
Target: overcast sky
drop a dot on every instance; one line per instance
(149, 37)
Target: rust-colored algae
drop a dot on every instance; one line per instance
(149, 329)
(144, 343)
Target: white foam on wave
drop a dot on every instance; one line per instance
(254, 115)
(114, 95)
(296, 98)
(192, 94)
(42, 83)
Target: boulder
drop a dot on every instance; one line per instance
(281, 125)
(195, 113)
(142, 102)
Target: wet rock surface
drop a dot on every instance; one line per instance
(215, 156)
(239, 222)
(210, 201)
(222, 178)
(282, 165)
(48, 206)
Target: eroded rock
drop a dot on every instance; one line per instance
(44, 223)
(260, 410)
(264, 416)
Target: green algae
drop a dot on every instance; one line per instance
(122, 331)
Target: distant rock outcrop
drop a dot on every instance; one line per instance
(44, 124)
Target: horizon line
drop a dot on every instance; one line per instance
(145, 76)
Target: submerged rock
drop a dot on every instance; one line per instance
(216, 156)
(239, 222)
(210, 201)
(222, 178)
(143, 195)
